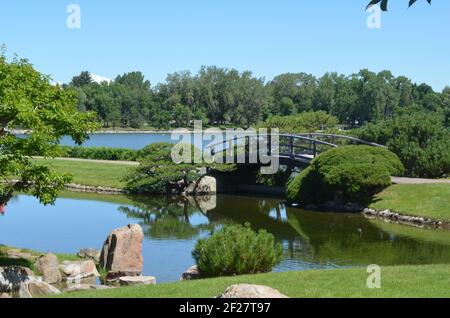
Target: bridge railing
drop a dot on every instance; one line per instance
(292, 146)
(339, 140)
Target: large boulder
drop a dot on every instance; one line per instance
(191, 273)
(12, 276)
(122, 252)
(251, 291)
(79, 270)
(206, 185)
(36, 289)
(49, 267)
(137, 280)
(90, 253)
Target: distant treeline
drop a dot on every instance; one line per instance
(221, 96)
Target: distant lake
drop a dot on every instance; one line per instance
(129, 140)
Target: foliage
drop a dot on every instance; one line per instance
(100, 153)
(83, 79)
(303, 123)
(348, 174)
(28, 100)
(384, 3)
(158, 173)
(226, 97)
(237, 250)
(419, 139)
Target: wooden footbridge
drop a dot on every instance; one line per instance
(296, 150)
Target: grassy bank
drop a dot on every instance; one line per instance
(90, 173)
(427, 200)
(25, 257)
(401, 281)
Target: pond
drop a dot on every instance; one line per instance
(172, 226)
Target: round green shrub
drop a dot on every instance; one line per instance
(346, 174)
(237, 250)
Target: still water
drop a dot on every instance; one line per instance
(131, 140)
(311, 240)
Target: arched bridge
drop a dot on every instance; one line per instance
(291, 149)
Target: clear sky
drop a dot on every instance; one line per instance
(266, 37)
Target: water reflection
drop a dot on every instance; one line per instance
(172, 226)
(168, 217)
(311, 239)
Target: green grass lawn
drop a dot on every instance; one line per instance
(90, 173)
(5, 260)
(401, 281)
(427, 200)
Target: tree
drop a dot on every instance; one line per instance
(307, 122)
(384, 3)
(81, 80)
(419, 139)
(28, 100)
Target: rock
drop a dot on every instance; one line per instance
(122, 252)
(49, 267)
(81, 287)
(90, 253)
(12, 276)
(19, 254)
(79, 270)
(36, 289)
(190, 189)
(206, 202)
(137, 280)
(251, 291)
(5, 296)
(206, 185)
(191, 274)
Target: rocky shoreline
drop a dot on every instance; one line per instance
(416, 221)
(93, 189)
(106, 132)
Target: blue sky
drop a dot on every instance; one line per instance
(266, 37)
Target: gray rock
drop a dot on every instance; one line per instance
(251, 291)
(90, 253)
(11, 277)
(36, 289)
(5, 296)
(190, 189)
(206, 185)
(136, 280)
(79, 270)
(49, 267)
(191, 273)
(85, 286)
(206, 202)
